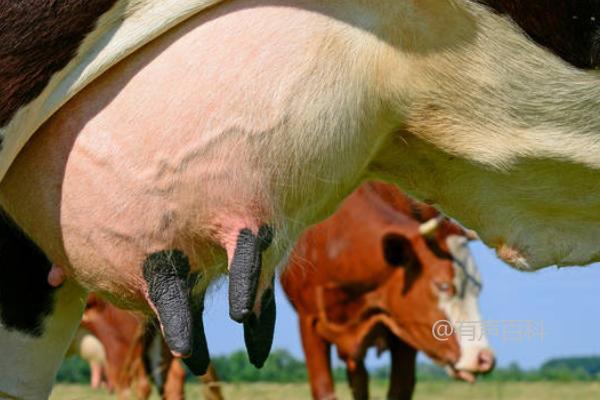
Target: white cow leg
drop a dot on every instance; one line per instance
(29, 364)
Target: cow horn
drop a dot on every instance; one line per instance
(471, 234)
(245, 270)
(200, 359)
(166, 273)
(259, 330)
(430, 226)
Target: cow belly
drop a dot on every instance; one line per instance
(182, 145)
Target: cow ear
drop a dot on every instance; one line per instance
(397, 250)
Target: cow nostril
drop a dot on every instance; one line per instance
(485, 361)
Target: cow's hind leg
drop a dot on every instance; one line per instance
(358, 378)
(37, 320)
(156, 355)
(29, 363)
(211, 388)
(26, 296)
(175, 381)
(96, 375)
(402, 374)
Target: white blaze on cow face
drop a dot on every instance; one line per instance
(463, 311)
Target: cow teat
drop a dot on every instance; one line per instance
(259, 329)
(199, 359)
(244, 276)
(169, 294)
(245, 270)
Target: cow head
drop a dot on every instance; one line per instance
(434, 288)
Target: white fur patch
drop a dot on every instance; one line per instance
(29, 364)
(462, 309)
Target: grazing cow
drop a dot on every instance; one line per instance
(122, 335)
(385, 271)
(135, 352)
(216, 137)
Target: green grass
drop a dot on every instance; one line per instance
(425, 391)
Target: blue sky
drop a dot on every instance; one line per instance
(566, 301)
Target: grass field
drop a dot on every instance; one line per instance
(425, 391)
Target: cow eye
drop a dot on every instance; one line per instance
(445, 287)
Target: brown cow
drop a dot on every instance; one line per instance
(121, 333)
(382, 272)
(135, 351)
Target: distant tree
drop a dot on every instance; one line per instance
(281, 366)
(431, 372)
(380, 373)
(74, 370)
(588, 367)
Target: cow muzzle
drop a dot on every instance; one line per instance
(481, 362)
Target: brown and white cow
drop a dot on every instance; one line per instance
(214, 145)
(121, 333)
(385, 271)
(136, 354)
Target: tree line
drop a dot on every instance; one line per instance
(282, 366)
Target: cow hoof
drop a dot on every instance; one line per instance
(244, 272)
(258, 331)
(166, 273)
(200, 358)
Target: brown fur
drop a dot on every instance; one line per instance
(121, 334)
(347, 293)
(125, 338)
(569, 28)
(37, 39)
